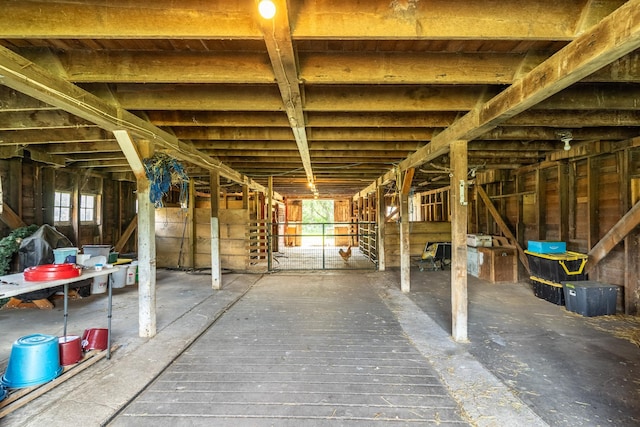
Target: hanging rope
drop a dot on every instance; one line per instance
(162, 172)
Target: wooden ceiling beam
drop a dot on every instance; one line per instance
(277, 37)
(189, 19)
(615, 36)
(435, 19)
(361, 99)
(40, 119)
(197, 97)
(38, 136)
(182, 67)
(552, 118)
(106, 146)
(26, 77)
(232, 19)
(83, 66)
(317, 154)
(313, 145)
(218, 118)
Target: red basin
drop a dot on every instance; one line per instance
(40, 273)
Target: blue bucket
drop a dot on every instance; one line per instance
(62, 255)
(34, 360)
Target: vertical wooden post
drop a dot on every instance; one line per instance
(245, 197)
(541, 194)
(630, 194)
(48, 194)
(459, 241)
(75, 209)
(146, 252)
(216, 265)
(405, 243)
(593, 203)
(405, 238)
(563, 189)
(381, 227)
(269, 227)
(100, 207)
(191, 215)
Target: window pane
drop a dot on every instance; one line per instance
(62, 206)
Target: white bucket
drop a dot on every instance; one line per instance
(99, 285)
(118, 278)
(131, 274)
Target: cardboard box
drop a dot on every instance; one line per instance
(479, 240)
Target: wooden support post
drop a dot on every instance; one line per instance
(146, 252)
(405, 244)
(563, 189)
(270, 224)
(191, 214)
(216, 267)
(245, 197)
(405, 238)
(541, 194)
(459, 202)
(381, 227)
(75, 210)
(593, 206)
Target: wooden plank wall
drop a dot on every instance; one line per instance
(173, 238)
(420, 233)
(29, 189)
(573, 200)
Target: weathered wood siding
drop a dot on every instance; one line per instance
(420, 233)
(173, 238)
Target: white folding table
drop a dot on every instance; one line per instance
(13, 285)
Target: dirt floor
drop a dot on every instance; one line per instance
(571, 370)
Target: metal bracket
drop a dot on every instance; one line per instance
(463, 196)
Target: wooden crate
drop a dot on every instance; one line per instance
(498, 264)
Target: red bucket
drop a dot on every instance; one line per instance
(95, 339)
(70, 349)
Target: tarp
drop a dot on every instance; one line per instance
(37, 249)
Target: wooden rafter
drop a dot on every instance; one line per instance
(28, 78)
(277, 37)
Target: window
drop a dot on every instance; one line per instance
(62, 207)
(87, 208)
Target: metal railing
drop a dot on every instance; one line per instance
(323, 246)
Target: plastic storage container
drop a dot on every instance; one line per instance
(546, 247)
(548, 291)
(557, 268)
(95, 250)
(590, 298)
(62, 255)
(479, 240)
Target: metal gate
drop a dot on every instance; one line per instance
(324, 246)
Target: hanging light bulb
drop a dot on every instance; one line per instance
(267, 9)
(567, 146)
